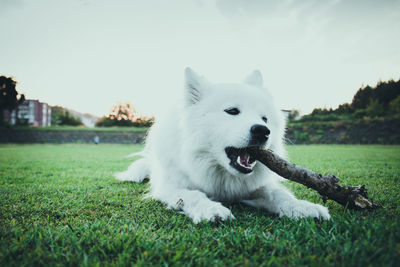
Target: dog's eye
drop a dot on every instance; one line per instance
(232, 111)
(265, 119)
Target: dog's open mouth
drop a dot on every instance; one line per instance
(240, 159)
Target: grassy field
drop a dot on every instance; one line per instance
(61, 206)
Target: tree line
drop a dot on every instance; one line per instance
(120, 115)
(383, 100)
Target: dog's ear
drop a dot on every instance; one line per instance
(194, 85)
(255, 79)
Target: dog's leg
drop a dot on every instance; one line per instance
(277, 199)
(136, 172)
(193, 203)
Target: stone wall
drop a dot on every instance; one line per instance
(69, 136)
(376, 131)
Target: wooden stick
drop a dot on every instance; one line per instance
(355, 197)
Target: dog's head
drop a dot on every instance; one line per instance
(225, 119)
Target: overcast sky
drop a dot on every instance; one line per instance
(90, 54)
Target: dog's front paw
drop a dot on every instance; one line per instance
(212, 213)
(303, 209)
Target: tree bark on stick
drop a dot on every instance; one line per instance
(354, 197)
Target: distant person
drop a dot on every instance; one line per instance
(96, 139)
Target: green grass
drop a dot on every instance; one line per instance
(61, 206)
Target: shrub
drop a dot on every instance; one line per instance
(301, 136)
(61, 116)
(394, 105)
(375, 108)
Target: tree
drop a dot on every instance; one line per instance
(375, 108)
(124, 115)
(122, 112)
(362, 98)
(394, 105)
(344, 109)
(378, 101)
(383, 93)
(61, 116)
(8, 95)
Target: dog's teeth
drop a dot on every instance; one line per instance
(247, 159)
(239, 161)
(246, 164)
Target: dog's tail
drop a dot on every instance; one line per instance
(137, 172)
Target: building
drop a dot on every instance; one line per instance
(31, 112)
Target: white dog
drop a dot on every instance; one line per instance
(196, 155)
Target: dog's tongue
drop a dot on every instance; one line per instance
(244, 159)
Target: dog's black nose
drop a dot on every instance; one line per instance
(259, 133)
(259, 130)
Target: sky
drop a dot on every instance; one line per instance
(88, 55)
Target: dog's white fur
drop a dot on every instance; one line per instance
(185, 154)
